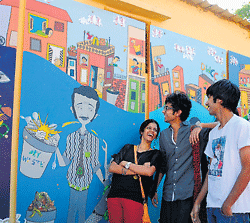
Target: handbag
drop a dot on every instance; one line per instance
(145, 217)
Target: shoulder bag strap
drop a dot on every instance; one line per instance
(142, 190)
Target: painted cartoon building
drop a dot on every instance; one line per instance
(93, 59)
(45, 32)
(178, 79)
(244, 85)
(159, 88)
(135, 86)
(159, 84)
(204, 83)
(119, 85)
(194, 92)
(71, 67)
(136, 94)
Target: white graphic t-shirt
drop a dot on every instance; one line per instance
(224, 148)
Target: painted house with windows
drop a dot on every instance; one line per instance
(178, 79)
(135, 86)
(71, 66)
(159, 88)
(94, 59)
(204, 83)
(45, 31)
(244, 85)
(194, 92)
(136, 94)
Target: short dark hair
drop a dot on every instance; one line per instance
(84, 58)
(180, 101)
(136, 60)
(226, 91)
(146, 123)
(47, 31)
(87, 91)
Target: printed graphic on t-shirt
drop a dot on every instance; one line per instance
(218, 146)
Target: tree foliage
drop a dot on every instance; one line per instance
(244, 12)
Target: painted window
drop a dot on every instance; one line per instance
(143, 87)
(72, 73)
(72, 63)
(177, 85)
(59, 26)
(137, 47)
(165, 88)
(132, 105)
(133, 85)
(142, 99)
(84, 74)
(143, 107)
(35, 44)
(133, 95)
(143, 96)
(110, 59)
(38, 25)
(176, 75)
(84, 59)
(13, 38)
(108, 75)
(55, 54)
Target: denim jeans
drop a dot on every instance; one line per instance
(215, 215)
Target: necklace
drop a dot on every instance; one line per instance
(138, 147)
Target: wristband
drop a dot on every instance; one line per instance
(127, 165)
(197, 126)
(124, 171)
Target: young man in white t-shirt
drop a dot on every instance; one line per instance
(227, 180)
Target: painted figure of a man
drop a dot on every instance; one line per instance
(82, 152)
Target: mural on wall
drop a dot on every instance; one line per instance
(79, 80)
(67, 136)
(82, 41)
(239, 74)
(7, 74)
(180, 63)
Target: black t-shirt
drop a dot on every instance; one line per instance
(126, 186)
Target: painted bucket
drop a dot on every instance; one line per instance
(47, 217)
(35, 155)
(112, 96)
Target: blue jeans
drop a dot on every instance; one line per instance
(77, 205)
(215, 215)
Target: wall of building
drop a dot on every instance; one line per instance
(205, 26)
(191, 21)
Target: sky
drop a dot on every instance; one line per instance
(231, 5)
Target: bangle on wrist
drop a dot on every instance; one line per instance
(127, 165)
(197, 126)
(125, 172)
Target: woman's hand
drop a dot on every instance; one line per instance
(123, 163)
(147, 164)
(155, 200)
(195, 213)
